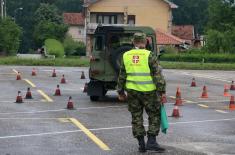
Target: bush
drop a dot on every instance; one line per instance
(186, 57)
(9, 37)
(54, 47)
(170, 49)
(75, 48)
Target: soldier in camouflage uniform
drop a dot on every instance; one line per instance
(139, 100)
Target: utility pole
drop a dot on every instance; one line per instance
(2, 3)
(5, 8)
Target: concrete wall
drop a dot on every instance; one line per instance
(77, 33)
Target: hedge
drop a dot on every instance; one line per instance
(211, 58)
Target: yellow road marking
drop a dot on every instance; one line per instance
(45, 96)
(64, 120)
(203, 105)
(15, 71)
(30, 83)
(221, 111)
(90, 134)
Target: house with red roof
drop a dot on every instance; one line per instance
(76, 24)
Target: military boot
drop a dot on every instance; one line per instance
(152, 145)
(141, 144)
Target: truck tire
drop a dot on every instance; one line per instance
(116, 56)
(94, 98)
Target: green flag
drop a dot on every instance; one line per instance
(164, 121)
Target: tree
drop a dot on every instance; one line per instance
(221, 26)
(9, 36)
(48, 24)
(47, 12)
(221, 15)
(192, 12)
(47, 29)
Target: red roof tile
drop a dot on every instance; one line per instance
(164, 38)
(184, 31)
(73, 18)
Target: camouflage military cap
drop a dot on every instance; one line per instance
(139, 37)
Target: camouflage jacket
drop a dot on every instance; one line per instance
(156, 73)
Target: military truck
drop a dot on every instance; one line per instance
(109, 44)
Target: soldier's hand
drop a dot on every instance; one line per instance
(163, 98)
(122, 97)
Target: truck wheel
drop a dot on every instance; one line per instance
(94, 98)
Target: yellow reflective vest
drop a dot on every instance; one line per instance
(136, 63)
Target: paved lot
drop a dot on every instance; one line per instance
(44, 126)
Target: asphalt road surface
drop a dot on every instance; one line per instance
(43, 125)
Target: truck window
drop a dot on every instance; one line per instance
(99, 43)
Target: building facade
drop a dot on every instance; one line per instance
(153, 13)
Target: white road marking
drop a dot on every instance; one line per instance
(111, 128)
(18, 118)
(205, 76)
(40, 134)
(58, 110)
(221, 111)
(203, 105)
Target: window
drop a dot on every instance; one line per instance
(106, 18)
(131, 19)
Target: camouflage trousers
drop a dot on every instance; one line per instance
(137, 102)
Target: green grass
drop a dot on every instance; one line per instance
(197, 66)
(84, 62)
(68, 62)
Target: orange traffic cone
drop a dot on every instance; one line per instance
(63, 81)
(57, 91)
(178, 100)
(28, 94)
(33, 72)
(18, 77)
(83, 75)
(226, 93)
(70, 104)
(193, 84)
(176, 112)
(85, 88)
(204, 93)
(19, 98)
(232, 87)
(164, 100)
(53, 73)
(232, 104)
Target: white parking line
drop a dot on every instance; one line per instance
(221, 111)
(111, 128)
(40, 134)
(58, 110)
(205, 76)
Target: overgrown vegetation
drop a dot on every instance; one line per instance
(74, 48)
(9, 37)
